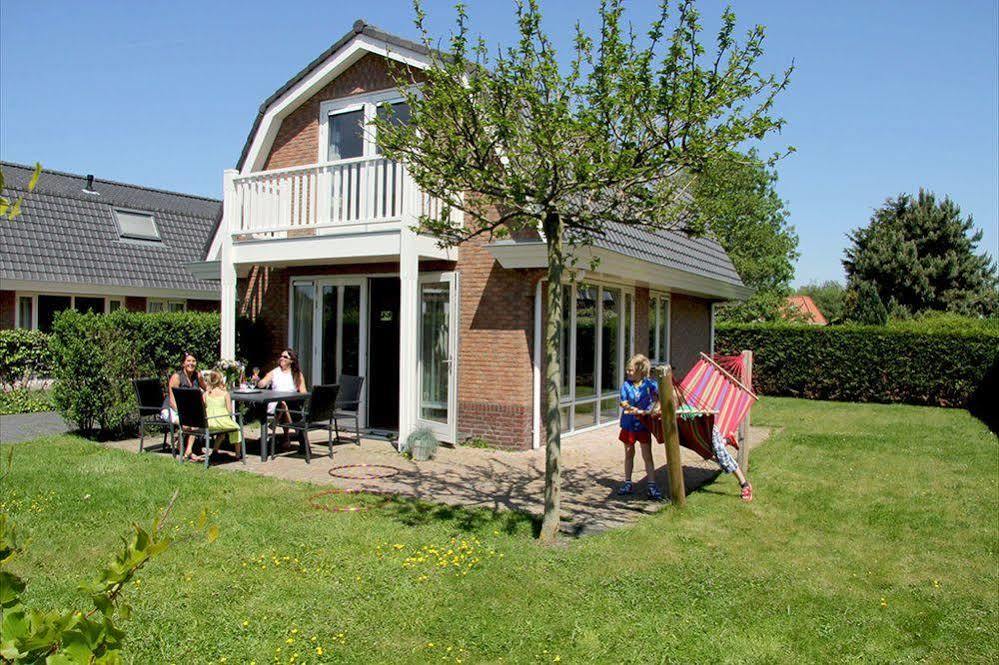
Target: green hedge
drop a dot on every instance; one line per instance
(943, 365)
(96, 356)
(24, 354)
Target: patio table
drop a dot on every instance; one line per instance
(263, 398)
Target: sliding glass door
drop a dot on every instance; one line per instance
(328, 328)
(596, 344)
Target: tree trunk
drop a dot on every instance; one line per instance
(553, 332)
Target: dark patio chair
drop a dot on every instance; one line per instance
(316, 414)
(149, 395)
(194, 421)
(348, 402)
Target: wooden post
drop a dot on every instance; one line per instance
(747, 378)
(671, 437)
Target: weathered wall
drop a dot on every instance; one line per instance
(690, 331)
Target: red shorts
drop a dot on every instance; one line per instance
(628, 438)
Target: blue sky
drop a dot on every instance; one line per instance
(887, 96)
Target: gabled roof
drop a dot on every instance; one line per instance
(805, 306)
(360, 28)
(64, 235)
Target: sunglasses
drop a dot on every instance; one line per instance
(286, 356)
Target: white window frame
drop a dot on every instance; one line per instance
(569, 401)
(166, 302)
(72, 304)
(368, 103)
(656, 314)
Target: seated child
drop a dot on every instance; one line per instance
(218, 408)
(638, 397)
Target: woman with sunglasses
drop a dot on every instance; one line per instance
(287, 376)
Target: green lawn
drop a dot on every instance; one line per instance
(873, 537)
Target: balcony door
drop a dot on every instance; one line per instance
(438, 350)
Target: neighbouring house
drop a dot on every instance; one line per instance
(316, 244)
(804, 308)
(98, 245)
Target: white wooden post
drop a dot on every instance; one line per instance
(409, 314)
(228, 268)
(747, 377)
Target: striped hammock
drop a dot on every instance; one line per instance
(715, 385)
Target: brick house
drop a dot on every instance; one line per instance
(99, 245)
(315, 242)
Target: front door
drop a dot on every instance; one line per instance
(436, 370)
(383, 358)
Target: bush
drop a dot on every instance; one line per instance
(24, 400)
(942, 366)
(96, 357)
(24, 355)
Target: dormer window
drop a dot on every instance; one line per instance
(136, 225)
(346, 124)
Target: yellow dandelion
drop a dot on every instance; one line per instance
(319, 651)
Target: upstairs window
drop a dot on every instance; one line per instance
(346, 134)
(136, 225)
(397, 114)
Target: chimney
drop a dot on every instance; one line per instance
(89, 187)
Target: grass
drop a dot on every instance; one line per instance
(873, 538)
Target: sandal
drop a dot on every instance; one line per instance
(747, 493)
(193, 458)
(654, 493)
(626, 488)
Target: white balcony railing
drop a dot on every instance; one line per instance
(270, 204)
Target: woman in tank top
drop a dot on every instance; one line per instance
(187, 376)
(287, 376)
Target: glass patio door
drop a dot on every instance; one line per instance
(328, 329)
(437, 354)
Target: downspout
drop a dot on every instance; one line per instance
(538, 342)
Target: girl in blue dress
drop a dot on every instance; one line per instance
(638, 397)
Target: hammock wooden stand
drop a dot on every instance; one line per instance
(668, 403)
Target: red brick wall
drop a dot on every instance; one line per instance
(135, 303)
(495, 358)
(690, 331)
(202, 305)
(297, 140)
(8, 312)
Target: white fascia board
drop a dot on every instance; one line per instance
(427, 247)
(208, 270)
(512, 255)
(85, 289)
(308, 86)
(339, 248)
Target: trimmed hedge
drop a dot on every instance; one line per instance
(96, 356)
(24, 355)
(933, 365)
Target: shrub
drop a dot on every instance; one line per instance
(420, 445)
(897, 363)
(24, 400)
(96, 356)
(24, 355)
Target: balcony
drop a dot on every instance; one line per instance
(348, 196)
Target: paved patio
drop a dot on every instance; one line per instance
(496, 479)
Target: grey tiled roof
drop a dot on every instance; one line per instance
(673, 249)
(65, 235)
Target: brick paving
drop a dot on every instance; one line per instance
(497, 479)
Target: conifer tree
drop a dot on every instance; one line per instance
(921, 253)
